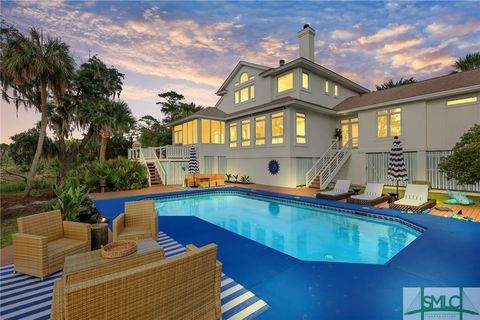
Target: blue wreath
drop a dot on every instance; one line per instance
(273, 167)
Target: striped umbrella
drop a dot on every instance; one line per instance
(192, 161)
(396, 163)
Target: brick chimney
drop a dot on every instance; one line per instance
(306, 40)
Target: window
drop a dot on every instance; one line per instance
(305, 81)
(233, 135)
(213, 131)
(277, 128)
(285, 82)
(243, 77)
(177, 134)
(350, 131)
(300, 128)
(245, 133)
(461, 101)
(245, 94)
(335, 90)
(186, 133)
(260, 130)
(388, 123)
(326, 86)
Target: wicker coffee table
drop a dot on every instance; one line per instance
(85, 265)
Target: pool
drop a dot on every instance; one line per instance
(301, 231)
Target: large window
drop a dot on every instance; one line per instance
(389, 123)
(300, 128)
(285, 82)
(305, 80)
(233, 135)
(213, 131)
(245, 94)
(245, 133)
(277, 128)
(260, 130)
(461, 101)
(186, 133)
(350, 131)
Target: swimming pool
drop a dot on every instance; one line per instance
(304, 232)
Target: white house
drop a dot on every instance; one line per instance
(290, 113)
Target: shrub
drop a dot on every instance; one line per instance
(70, 199)
(245, 179)
(14, 186)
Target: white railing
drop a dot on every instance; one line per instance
(159, 168)
(331, 169)
(160, 153)
(322, 162)
(141, 158)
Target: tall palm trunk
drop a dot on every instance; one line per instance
(41, 138)
(104, 136)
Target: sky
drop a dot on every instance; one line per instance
(191, 47)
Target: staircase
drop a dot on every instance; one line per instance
(325, 169)
(154, 175)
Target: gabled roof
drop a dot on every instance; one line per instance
(419, 89)
(221, 90)
(318, 69)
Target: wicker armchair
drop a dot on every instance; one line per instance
(44, 240)
(186, 286)
(140, 221)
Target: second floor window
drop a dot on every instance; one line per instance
(389, 123)
(245, 94)
(260, 130)
(285, 82)
(327, 87)
(335, 90)
(305, 80)
(350, 131)
(213, 131)
(277, 128)
(300, 128)
(245, 133)
(233, 135)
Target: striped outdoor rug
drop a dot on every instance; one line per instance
(26, 297)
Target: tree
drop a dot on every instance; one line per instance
(390, 84)
(32, 67)
(152, 133)
(471, 61)
(22, 148)
(174, 108)
(463, 164)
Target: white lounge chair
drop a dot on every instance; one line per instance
(415, 199)
(372, 195)
(339, 192)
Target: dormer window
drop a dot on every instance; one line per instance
(245, 93)
(244, 77)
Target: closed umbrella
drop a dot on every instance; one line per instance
(396, 163)
(192, 162)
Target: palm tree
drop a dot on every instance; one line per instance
(390, 84)
(112, 116)
(469, 62)
(32, 66)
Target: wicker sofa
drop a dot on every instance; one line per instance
(139, 221)
(204, 180)
(44, 240)
(186, 286)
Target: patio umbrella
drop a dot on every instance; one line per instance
(192, 162)
(396, 163)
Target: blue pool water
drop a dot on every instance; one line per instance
(303, 232)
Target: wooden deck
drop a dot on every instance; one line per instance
(470, 212)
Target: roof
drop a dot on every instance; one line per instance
(429, 86)
(209, 112)
(232, 74)
(318, 69)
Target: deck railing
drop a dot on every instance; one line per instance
(160, 153)
(322, 162)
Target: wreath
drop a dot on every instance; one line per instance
(273, 167)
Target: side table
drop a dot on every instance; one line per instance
(99, 235)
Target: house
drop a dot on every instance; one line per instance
(290, 113)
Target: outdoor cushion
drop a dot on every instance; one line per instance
(135, 232)
(462, 199)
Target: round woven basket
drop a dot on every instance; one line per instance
(119, 249)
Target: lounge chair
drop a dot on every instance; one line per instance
(415, 199)
(139, 221)
(219, 179)
(371, 196)
(339, 192)
(186, 286)
(44, 240)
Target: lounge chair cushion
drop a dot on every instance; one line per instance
(135, 232)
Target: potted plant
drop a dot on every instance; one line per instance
(338, 134)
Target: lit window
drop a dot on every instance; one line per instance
(243, 77)
(251, 78)
(277, 128)
(233, 135)
(215, 125)
(236, 84)
(205, 131)
(461, 101)
(260, 130)
(285, 82)
(335, 90)
(177, 134)
(195, 131)
(326, 87)
(222, 132)
(237, 97)
(300, 129)
(252, 92)
(389, 123)
(245, 94)
(350, 131)
(305, 82)
(245, 133)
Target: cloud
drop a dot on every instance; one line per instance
(385, 33)
(343, 34)
(401, 45)
(439, 29)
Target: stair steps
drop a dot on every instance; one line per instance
(154, 176)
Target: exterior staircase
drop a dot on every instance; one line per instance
(154, 175)
(329, 164)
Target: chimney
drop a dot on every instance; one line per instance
(281, 62)
(306, 41)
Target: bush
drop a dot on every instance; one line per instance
(119, 173)
(70, 199)
(14, 186)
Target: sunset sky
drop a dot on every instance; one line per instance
(191, 47)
